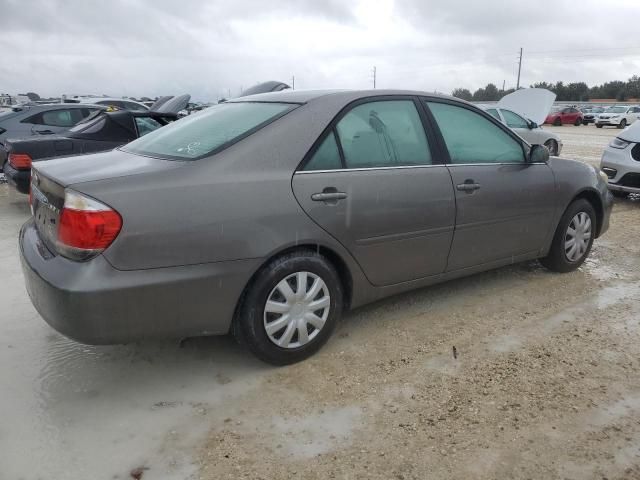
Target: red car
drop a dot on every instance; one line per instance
(565, 115)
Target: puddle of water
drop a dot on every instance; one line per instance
(311, 435)
(79, 412)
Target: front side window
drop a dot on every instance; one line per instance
(383, 134)
(494, 113)
(513, 120)
(208, 131)
(471, 138)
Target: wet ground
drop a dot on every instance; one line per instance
(544, 382)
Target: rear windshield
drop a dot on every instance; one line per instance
(208, 131)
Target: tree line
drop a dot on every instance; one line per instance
(577, 91)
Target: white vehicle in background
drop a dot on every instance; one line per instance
(524, 111)
(619, 116)
(621, 162)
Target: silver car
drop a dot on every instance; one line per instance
(533, 133)
(270, 215)
(621, 162)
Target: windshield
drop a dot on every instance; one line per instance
(208, 131)
(616, 109)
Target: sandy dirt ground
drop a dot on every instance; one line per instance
(517, 373)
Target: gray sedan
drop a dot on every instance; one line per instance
(269, 216)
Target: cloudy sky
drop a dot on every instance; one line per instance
(210, 48)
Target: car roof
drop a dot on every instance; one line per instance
(305, 96)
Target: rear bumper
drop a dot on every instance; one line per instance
(94, 303)
(18, 178)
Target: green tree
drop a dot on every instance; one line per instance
(462, 93)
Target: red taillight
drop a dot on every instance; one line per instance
(21, 161)
(86, 226)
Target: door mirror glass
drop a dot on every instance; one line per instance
(539, 154)
(532, 125)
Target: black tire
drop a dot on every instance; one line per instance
(557, 260)
(619, 194)
(552, 146)
(584, 122)
(598, 125)
(249, 327)
(623, 123)
(557, 122)
(578, 122)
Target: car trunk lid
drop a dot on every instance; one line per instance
(68, 171)
(47, 199)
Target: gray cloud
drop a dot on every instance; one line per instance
(139, 47)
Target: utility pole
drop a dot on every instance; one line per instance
(503, 82)
(293, 82)
(519, 68)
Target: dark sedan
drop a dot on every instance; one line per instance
(101, 131)
(268, 216)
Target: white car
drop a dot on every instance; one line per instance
(524, 111)
(619, 116)
(621, 162)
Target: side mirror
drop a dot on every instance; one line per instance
(531, 124)
(538, 154)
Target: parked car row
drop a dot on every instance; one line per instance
(618, 116)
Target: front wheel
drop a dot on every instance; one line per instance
(578, 122)
(557, 122)
(623, 123)
(573, 238)
(290, 308)
(598, 125)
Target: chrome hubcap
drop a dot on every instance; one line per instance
(296, 310)
(578, 236)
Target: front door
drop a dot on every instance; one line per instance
(373, 184)
(505, 204)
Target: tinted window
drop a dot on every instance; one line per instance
(60, 118)
(513, 120)
(471, 138)
(383, 134)
(207, 131)
(494, 113)
(146, 125)
(326, 157)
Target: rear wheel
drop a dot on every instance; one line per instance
(291, 308)
(573, 238)
(557, 122)
(623, 123)
(552, 146)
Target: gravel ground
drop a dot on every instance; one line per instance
(514, 373)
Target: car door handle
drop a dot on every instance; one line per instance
(328, 196)
(468, 186)
(44, 132)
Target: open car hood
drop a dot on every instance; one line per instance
(173, 105)
(531, 103)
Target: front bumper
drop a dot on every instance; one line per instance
(17, 178)
(94, 303)
(608, 121)
(620, 166)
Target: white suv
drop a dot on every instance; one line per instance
(619, 116)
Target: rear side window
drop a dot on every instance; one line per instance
(208, 131)
(471, 138)
(513, 120)
(57, 118)
(383, 134)
(146, 125)
(327, 156)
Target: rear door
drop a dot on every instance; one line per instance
(504, 203)
(374, 183)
